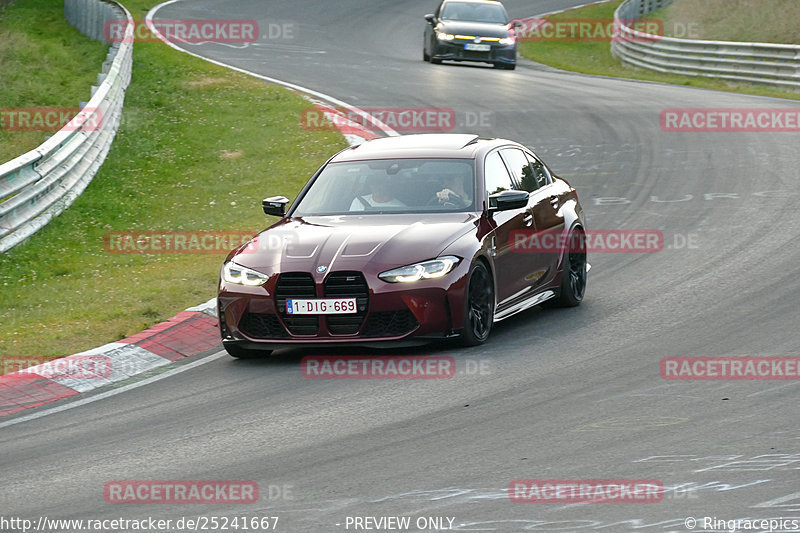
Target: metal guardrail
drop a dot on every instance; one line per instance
(777, 65)
(39, 185)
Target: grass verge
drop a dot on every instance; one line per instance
(198, 149)
(764, 21)
(46, 63)
(595, 58)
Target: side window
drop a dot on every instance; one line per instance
(495, 175)
(520, 169)
(539, 171)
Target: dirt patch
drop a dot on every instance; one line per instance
(231, 154)
(205, 82)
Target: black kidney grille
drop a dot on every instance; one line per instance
(296, 285)
(390, 324)
(347, 285)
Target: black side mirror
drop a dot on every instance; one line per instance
(505, 200)
(431, 18)
(275, 205)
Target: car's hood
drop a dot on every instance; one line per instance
(478, 29)
(351, 242)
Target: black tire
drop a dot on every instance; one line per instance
(505, 66)
(573, 273)
(479, 306)
(234, 350)
(432, 55)
(425, 56)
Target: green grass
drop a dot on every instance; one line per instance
(199, 147)
(595, 57)
(45, 62)
(761, 21)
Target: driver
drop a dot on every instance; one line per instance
(453, 191)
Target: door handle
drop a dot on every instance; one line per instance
(527, 219)
(554, 201)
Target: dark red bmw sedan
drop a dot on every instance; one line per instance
(405, 240)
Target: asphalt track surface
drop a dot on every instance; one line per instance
(567, 394)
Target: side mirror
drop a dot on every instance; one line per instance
(516, 23)
(505, 200)
(430, 17)
(275, 205)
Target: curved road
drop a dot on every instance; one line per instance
(568, 394)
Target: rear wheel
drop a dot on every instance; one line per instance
(234, 350)
(479, 306)
(573, 272)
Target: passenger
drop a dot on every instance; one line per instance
(380, 197)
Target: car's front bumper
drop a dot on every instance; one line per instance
(388, 312)
(455, 51)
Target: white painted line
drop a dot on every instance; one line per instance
(383, 127)
(125, 360)
(104, 395)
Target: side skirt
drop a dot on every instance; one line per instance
(536, 299)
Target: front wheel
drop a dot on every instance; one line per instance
(479, 306)
(573, 271)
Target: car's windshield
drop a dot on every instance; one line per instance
(470, 12)
(390, 186)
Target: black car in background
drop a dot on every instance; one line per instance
(470, 30)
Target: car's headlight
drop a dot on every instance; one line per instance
(435, 268)
(233, 273)
(442, 36)
(507, 40)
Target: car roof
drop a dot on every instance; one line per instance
(474, 1)
(450, 145)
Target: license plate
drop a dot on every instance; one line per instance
(326, 306)
(477, 47)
